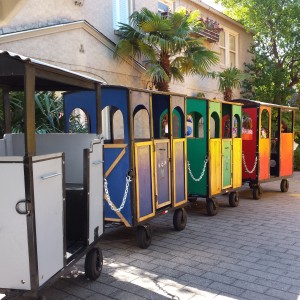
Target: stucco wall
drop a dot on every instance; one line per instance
(83, 51)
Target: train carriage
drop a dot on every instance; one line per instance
(144, 155)
(214, 152)
(268, 144)
(51, 185)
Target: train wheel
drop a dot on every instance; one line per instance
(212, 207)
(234, 199)
(93, 263)
(144, 236)
(179, 219)
(284, 185)
(257, 192)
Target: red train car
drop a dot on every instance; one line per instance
(268, 144)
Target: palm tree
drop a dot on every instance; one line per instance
(229, 79)
(169, 47)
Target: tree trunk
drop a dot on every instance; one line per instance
(227, 94)
(165, 64)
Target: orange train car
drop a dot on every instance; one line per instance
(268, 144)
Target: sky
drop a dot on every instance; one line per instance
(213, 4)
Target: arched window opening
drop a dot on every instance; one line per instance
(236, 126)
(247, 130)
(195, 125)
(79, 121)
(112, 125)
(214, 126)
(264, 131)
(177, 124)
(141, 123)
(164, 125)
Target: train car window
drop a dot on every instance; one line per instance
(247, 127)
(177, 124)
(194, 125)
(286, 121)
(79, 121)
(164, 128)
(112, 125)
(236, 125)
(118, 127)
(214, 126)
(141, 124)
(265, 130)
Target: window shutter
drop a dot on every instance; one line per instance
(120, 12)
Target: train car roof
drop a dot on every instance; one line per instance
(47, 77)
(249, 102)
(216, 100)
(144, 90)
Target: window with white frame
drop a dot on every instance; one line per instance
(228, 44)
(121, 12)
(165, 7)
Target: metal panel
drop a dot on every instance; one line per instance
(116, 167)
(286, 154)
(144, 180)
(162, 173)
(177, 101)
(226, 163)
(140, 98)
(215, 166)
(95, 190)
(264, 158)
(179, 172)
(48, 203)
(14, 258)
(237, 163)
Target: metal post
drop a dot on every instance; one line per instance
(29, 106)
(98, 109)
(6, 111)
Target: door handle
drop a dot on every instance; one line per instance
(50, 176)
(25, 210)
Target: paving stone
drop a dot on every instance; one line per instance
(250, 286)
(282, 295)
(226, 288)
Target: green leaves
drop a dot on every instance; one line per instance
(167, 45)
(276, 49)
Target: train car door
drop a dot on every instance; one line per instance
(115, 124)
(162, 149)
(178, 126)
(226, 146)
(143, 155)
(197, 146)
(215, 148)
(236, 147)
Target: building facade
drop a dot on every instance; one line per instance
(80, 35)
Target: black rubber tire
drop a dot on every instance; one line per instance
(257, 192)
(192, 199)
(179, 219)
(234, 199)
(93, 263)
(284, 185)
(144, 236)
(212, 207)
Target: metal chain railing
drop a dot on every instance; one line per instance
(110, 203)
(202, 173)
(245, 165)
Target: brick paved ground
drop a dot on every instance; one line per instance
(248, 252)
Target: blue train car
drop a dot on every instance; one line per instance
(144, 154)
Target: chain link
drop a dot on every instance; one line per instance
(245, 165)
(202, 173)
(110, 203)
